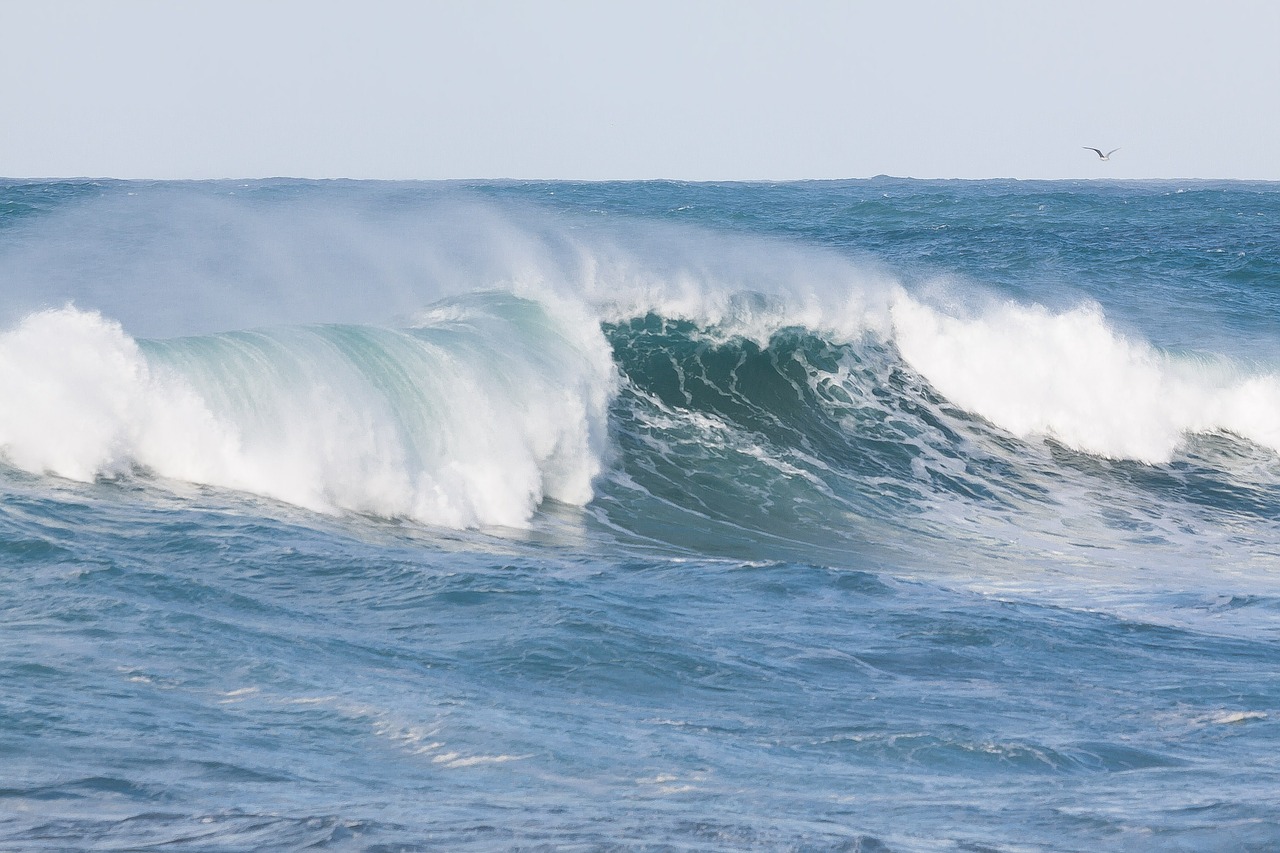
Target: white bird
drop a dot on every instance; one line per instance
(1101, 156)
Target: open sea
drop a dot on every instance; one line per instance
(872, 515)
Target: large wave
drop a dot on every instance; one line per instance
(492, 402)
(765, 383)
(472, 417)
(809, 446)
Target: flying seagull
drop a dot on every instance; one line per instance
(1101, 156)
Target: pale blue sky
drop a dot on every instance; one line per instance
(597, 90)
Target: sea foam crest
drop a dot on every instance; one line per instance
(472, 418)
(1070, 376)
(80, 400)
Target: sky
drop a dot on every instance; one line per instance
(690, 90)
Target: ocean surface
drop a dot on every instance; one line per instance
(874, 515)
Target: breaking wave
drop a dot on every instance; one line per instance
(472, 417)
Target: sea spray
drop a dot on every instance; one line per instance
(1072, 377)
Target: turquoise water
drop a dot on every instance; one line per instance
(867, 515)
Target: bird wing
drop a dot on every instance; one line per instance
(1112, 151)
(1087, 148)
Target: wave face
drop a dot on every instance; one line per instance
(348, 514)
(977, 432)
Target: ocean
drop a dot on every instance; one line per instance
(868, 515)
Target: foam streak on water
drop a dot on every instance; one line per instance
(870, 515)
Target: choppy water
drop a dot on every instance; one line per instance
(869, 515)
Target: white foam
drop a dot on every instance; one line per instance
(1226, 718)
(1072, 377)
(81, 401)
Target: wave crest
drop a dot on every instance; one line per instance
(1072, 377)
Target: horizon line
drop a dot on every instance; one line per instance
(509, 179)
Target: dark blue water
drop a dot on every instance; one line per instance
(870, 515)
